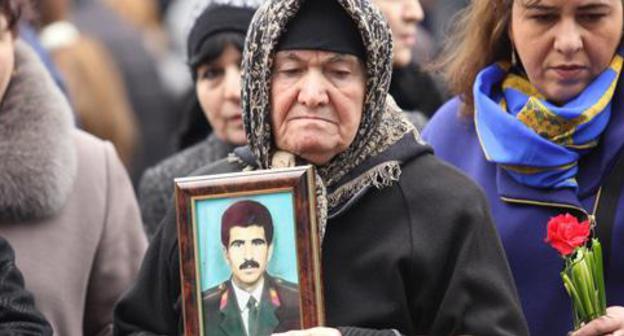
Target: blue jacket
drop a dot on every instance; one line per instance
(521, 214)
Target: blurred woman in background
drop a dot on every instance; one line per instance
(413, 89)
(539, 124)
(215, 47)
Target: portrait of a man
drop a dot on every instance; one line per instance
(251, 302)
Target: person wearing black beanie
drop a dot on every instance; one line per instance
(214, 51)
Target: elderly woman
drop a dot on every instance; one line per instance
(66, 203)
(539, 124)
(215, 46)
(407, 243)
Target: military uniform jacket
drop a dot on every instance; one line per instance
(278, 309)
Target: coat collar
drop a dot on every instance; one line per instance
(511, 191)
(37, 154)
(370, 173)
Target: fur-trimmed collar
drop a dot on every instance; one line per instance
(37, 152)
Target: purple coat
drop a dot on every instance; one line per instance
(521, 214)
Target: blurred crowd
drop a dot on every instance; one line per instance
(123, 67)
(133, 73)
(103, 103)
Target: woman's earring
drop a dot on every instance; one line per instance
(514, 59)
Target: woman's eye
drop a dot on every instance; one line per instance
(591, 17)
(341, 73)
(211, 74)
(544, 18)
(290, 71)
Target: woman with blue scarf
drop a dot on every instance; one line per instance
(539, 124)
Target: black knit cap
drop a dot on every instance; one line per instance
(323, 25)
(216, 18)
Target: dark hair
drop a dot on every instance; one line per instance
(14, 10)
(214, 46)
(245, 214)
(193, 126)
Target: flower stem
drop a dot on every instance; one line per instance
(577, 305)
(583, 283)
(599, 275)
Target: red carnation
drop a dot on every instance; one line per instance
(565, 233)
(582, 273)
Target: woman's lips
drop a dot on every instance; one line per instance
(236, 120)
(312, 119)
(569, 72)
(408, 39)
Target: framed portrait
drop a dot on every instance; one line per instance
(249, 252)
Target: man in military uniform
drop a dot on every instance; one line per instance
(251, 302)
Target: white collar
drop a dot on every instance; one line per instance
(242, 296)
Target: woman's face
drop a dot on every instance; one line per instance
(317, 102)
(402, 16)
(564, 44)
(218, 90)
(7, 60)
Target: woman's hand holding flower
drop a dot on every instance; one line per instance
(611, 324)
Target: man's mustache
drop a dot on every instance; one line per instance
(249, 263)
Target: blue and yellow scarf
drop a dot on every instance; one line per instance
(536, 142)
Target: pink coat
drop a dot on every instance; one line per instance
(66, 206)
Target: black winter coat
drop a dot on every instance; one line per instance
(18, 315)
(419, 257)
(414, 90)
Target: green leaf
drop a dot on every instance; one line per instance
(598, 261)
(577, 305)
(592, 286)
(582, 282)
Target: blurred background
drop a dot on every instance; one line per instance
(122, 66)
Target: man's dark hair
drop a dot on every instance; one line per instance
(13, 10)
(245, 214)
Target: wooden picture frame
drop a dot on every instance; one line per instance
(289, 262)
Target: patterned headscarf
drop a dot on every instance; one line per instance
(382, 123)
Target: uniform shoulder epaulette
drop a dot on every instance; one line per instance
(214, 291)
(286, 284)
(224, 301)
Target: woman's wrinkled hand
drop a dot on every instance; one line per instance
(318, 331)
(611, 324)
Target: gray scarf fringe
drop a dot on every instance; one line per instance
(381, 176)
